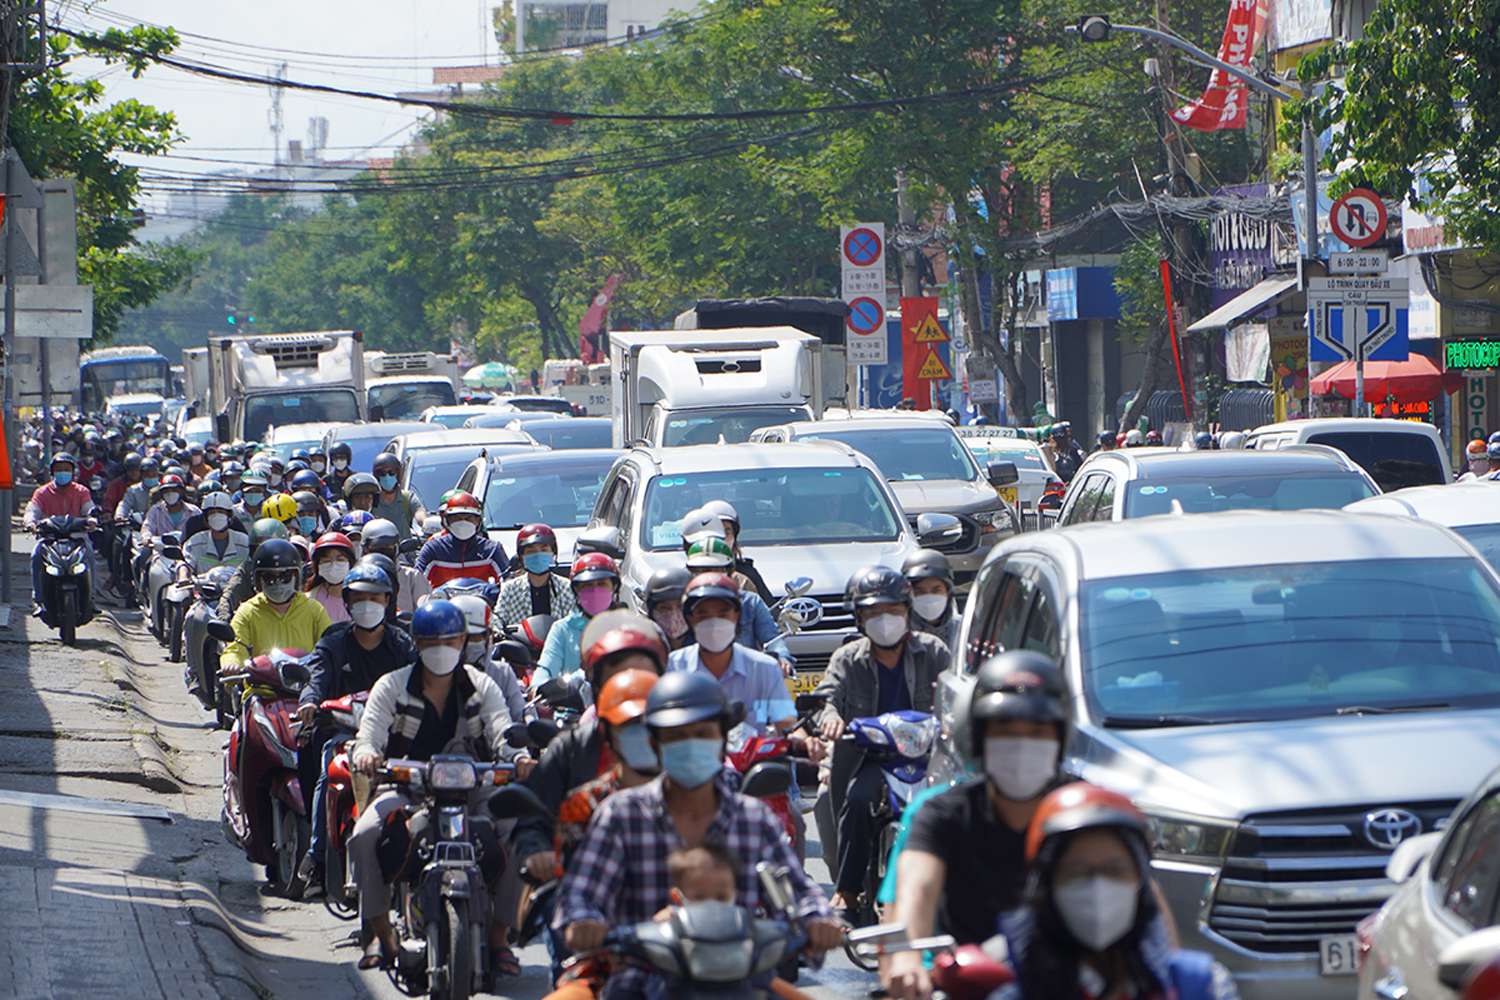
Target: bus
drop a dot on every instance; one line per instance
(114, 371)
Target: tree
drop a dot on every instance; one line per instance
(1422, 94)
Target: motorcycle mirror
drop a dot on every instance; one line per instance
(515, 735)
(737, 713)
(513, 651)
(542, 731)
(403, 618)
(799, 586)
(809, 703)
(220, 631)
(553, 689)
(295, 673)
(171, 538)
(410, 545)
(775, 886)
(172, 551)
(515, 801)
(765, 780)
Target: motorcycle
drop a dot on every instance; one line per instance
(263, 812)
(162, 560)
(746, 748)
(67, 597)
(959, 972)
(200, 645)
(122, 557)
(175, 600)
(341, 803)
(442, 898)
(523, 643)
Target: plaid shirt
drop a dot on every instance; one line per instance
(514, 604)
(619, 872)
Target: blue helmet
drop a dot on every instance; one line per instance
(307, 479)
(367, 578)
(355, 521)
(302, 453)
(1493, 451)
(438, 620)
(487, 590)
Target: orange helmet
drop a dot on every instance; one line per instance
(1082, 806)
(1477, 449)
(623, 698)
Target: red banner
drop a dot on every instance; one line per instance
(1226, 99)
(921, 363)
(593, 320)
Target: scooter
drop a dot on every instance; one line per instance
(200, 646)
(122, 558)
(67, 597)
(441, 894)
(745, 748)
(161, 572)
(176, 597)
(263, 811)
(341, 803)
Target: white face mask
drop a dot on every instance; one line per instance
(474, 651)
(171, 499)
(218, 522)
(441, 660)
(341, 464)
(367, 614)
(334, 571)
(1020, 766)
(1097, 910)
(462, 530)
(929, 607)
(320, 467)
(886, 630)
(715, 634)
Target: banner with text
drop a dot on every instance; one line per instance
(1226, 98)
(922, 362)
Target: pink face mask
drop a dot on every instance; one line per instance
(594, 600)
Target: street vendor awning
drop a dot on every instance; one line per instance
(1414, 380)
(1247, 303)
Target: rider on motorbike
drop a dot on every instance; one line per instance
(241, 586)
(463, 550)
(744, 567)
(280, 616)
(596, 587)
(888, 669)
(414, 713)
(137, 497)
(401, 507)
(339, 472)
(477, 652)
(61, 497)
(934, 609)
(537, 590)
(663, 597)
(332, 558)
(221, 543)
(130, 474)
(360, 493)
(350, 657)
(253, 493)
(755, 628)
(171, 510)
(380, 537)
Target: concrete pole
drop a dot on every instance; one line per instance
(8, 497)
(1096, 393)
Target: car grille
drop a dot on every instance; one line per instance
(1292, 878)
(964, 543)
(836, 618)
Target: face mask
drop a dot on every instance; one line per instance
(1020, 767)
(929, 607)
(218, 522)
(367, 614)
(691, 763)
(320, 467)
(62, 478)
(387, 482)
(474, 650)
(715, 634)
(595, 600)
(279, 593)
(671, 621)
(341, 464)
(150, 482)
(538, 562)
(334, 571)
(886, 630)
(274, 478)
(462, 530)
(633, 744)
(171, 498)
(441, 660)
(307, 523)
(1097, 910)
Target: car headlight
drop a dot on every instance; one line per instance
(913, 739)
(451, 776)
(991, 521)
(1174, 838)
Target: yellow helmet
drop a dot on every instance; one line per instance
(281, 507)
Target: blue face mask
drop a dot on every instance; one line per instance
(62, 478)
(387, 482)
(634, 745)
(538, 562)
(150, 482)
(307, 524)
(691, 763)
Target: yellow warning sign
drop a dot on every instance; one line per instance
(929, 331)
(933, 368)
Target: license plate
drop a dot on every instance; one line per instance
(804, 681)
(1338, 956)
(1008, 494)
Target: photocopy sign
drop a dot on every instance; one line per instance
(1352, 317)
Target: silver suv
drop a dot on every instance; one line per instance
(1288, 696)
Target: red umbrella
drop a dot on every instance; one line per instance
(1414, 380)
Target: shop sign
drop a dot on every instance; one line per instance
(1472, 355)
(1476, 407)
(1420, 410)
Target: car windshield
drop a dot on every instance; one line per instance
(1202, 496)
(1026, 459)
(734, 424)
(776, 506)
(568, 434)
(535, 404)
(1394, 461)
(142, 409)
(561, 495)
(332, 406)
(435, 473)
(1290, 640)
(455, 418)
(199, 433)
(908, 454)
(407, 400)
(362, 449)
(1485, 538)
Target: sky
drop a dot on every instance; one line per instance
(378, 45)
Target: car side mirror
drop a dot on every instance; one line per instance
(938, 529)
(605, 538)
(1002, 473)
(377, 413)
(765, 780)
(1459, 958)
(1409, 855)
(220, 631)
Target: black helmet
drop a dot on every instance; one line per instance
(681, 698)
(876, 585)
(132, 462)
(666, 584)
(386, 460)
(276, 554)
(1106, 439)
(1019, 684)
(927, 564)
(341, 450)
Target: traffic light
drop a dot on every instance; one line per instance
(234, 317)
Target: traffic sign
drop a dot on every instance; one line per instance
(1359, 262)
(1358, 218)
(930, 331)
(984, 390)
(933, 368)
(862, 260)
(866, 315)
(867, 348)
(1351, 318)
(863, 246)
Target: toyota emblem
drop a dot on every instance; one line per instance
(1387, 828)
(809, 610)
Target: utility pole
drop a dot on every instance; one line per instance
(275, 117)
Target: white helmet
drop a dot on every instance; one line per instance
(1231, 440)
(723, 510)
(476, 613)
(701, 522)
(1133, 437)
(217, 501)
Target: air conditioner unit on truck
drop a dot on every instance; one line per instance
(683, 387)
(402, 385)
(258, 381)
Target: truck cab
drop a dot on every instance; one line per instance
(402, 386)
(262, 380)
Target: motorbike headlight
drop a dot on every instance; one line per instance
(54, 570)
(451, 776)
(1186, 839)
(913, 739)
(80, 568)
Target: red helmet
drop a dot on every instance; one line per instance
(710, 586)
(169, 482)
(628, 639)
(1082, 806)
(536, 534)
(1482, 981)
(333, 540)
(594, 566)
(463, 503)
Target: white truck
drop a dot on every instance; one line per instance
(587, 387)
(258, 381)
(402, 385)
(195, 378)
(683, 387)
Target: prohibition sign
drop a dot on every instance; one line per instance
(862, 247)
(866, 315)
(1358, 218)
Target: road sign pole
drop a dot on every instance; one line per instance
(1359, 382)
(8, 496)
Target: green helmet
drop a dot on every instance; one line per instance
(265, 529)
(710, 552)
